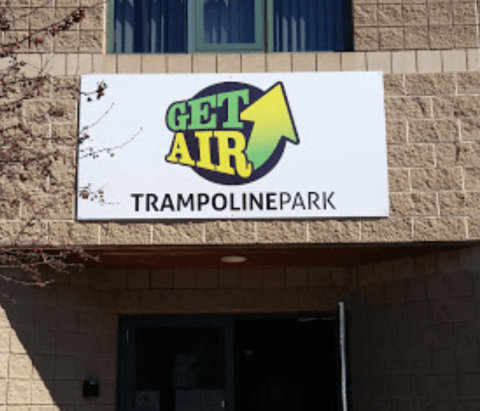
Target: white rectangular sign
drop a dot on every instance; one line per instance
(223, 146)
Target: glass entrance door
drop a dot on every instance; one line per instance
(177, 364)
(275, 362)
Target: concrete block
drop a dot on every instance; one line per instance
(412, 155)
(279, 62)
(114, 233)
(433, 131)
(473, 63)
(304, 61)
(282, 231)
(396, 131)
(413, 204)
(33, 63)
(251, 278)
(394, 84)
(230, 278)
(138, 278)
(319, 277)
(329, 61)
(296, 277)
(78, 64)
(18, 392)
(393, 229)
(129, 63)
(467, 83)
(179, 233)
(366, 39)
(179, 63)
(457, 203)
(454, 60)
(333, 231)
(429, 61)
(228, 63)
(253, 63)
(379, 61)
(54, 64)
(404, 62)
(355, 61)
(184, 279)
(391, 38)
(162, 278)
(204, 63)
(440, 229)
(65, 367)
(398, 180)
(104, 63)
(410, 107)
(228, 232)
(207, 278)
(436, 179)
(430, 84)
(154, 63)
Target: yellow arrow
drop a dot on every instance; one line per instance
(272, 121)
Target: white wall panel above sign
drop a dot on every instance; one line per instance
(222, 146)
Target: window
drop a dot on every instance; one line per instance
(242, 26)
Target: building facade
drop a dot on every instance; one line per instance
(410, 283)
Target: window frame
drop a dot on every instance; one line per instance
(200, 46)
(195, 43)
(264, 31)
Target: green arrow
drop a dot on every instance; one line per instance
(272, 121)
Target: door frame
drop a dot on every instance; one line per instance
(128, 325)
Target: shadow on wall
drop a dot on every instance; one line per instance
(51, 340)
(414, 329)
(415, 333)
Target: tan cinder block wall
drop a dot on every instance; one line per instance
(28, 16)
(413, 326)
(419, 24)
(415, 335)
(377, 24)
(52, 339)
(432, 105)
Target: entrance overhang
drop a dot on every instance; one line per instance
(257, 255)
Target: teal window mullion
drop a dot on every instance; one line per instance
(201, 46)
(111, 27)
(269, 25)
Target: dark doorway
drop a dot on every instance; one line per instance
(229, 363)
(287, 364)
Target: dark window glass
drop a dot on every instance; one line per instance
(229, 21)
(151, 26)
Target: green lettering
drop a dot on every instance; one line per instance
(233, 102)
(200, 109)
(177, 116)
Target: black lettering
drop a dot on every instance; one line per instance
(137, 200)
(271, 201)
(167, 203)
(327, 200)
(202, 199)
(152, 202)
(244, 201)
(282, 201)
(181, 202)
(258, 202)
(214, 202)
(298, 201)
(232, 203)
(313, 201)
